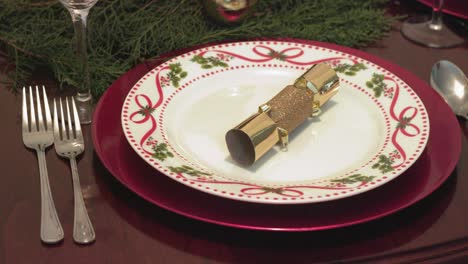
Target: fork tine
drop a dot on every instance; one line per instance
(31, 108)
(62, 117)
(79, 134)
(48, 118)
(70, 127)
(25, 112)
(39, 110)
(56, 125)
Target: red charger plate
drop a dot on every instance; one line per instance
(433, 167)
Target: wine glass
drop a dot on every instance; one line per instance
(79, 10)
(432, 33)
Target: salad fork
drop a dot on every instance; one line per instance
(39, 136)
(69, 144)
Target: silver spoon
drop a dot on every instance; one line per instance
(451, 83)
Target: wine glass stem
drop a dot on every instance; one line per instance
(83, 98)
(436, 21)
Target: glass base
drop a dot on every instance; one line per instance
(421, 31)
(84, 105)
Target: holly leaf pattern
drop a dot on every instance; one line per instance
(384, 164)
(208, 62)
(354, 179)
(377, 84)
(146, 110)
(160, 152)
(350, 69)
(277, 55)
(188, 171)
(404, 122)
(273, 190)
(176, 74)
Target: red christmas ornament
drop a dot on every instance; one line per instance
(229, 11)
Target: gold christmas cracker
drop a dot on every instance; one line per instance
(251, 139)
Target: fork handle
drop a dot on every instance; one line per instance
(51, 229)
(83, 231)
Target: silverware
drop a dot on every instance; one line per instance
(69, 144)
(38, 136)
(451, 83)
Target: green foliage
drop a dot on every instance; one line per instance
(277, 55)
(176, 74)
(273, 190)
(384, 164)
(37, 35)
(404, 122)
(160, 152)
(354, 179)
(349, 69)
(208, 62)
(188, 170)
(146, 110)
(377, 84)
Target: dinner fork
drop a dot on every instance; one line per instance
(69, 144)
(38, 136)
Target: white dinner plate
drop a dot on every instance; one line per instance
(177, 115)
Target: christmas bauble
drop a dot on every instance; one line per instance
(229, 11)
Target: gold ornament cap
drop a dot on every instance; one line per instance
(252, 138)
(322, 81)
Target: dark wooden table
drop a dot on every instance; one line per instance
(131, 230)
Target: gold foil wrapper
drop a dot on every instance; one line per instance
(322, 80)
(252, 138)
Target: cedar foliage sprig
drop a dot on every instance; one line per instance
(122, 33)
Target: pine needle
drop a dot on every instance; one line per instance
(122, 33)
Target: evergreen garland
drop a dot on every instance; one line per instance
(122, 33)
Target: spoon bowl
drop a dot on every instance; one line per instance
(451, 83)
